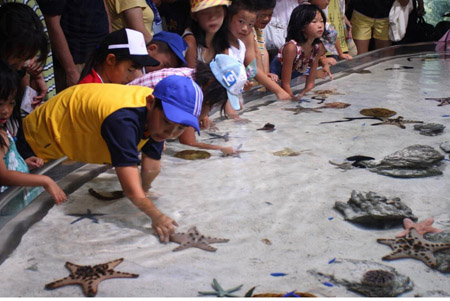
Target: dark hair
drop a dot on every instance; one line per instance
(21, 33)
(266, 4)
(213, 92)
(98, 57)
(301, 16)
(237, 5)
(219, 43)
(163, 47)
(9, 83)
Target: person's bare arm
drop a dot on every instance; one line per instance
(261, 76)
(188, 138)
(403, 2)
(134, 19)
(150, 169)
(191, 52)
(61, 48)
(130, 180)
(289, 53)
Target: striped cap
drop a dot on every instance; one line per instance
(197, 5)
(181, 99)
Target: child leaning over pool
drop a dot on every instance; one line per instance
(223, 78)
(110, 124)
(13, 169)
(303, 48)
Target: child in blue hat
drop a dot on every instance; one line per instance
(110, 124)
(169, 49)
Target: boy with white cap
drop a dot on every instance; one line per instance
(110, 123)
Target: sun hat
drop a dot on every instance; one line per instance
(230, 73)
(181, 99)
(197, 5)
(175, 42)
(131, 43)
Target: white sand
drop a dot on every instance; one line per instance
(287, 200)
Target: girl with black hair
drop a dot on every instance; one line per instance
(13, 168)
(303, 48)
(206, 35)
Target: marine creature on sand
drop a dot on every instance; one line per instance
(288, 152)
(88, 215)
(89, 276)
(219, 291)
(190, 154)
(267, 127)
(421, 228)
(107, 195)
(442, 101)
(193, 239)
(399, 121)
(332, 105)
(413, 246)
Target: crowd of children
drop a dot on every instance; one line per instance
(140, 86)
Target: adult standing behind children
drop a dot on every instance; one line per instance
(370, 19)
(75, 28)
(134, 14)
(110, 123)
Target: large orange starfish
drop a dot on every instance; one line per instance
(90, 276)
(422, 227)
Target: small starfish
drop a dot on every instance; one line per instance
(413, 246)
(193, 238)
(442, 101)
(219, 291)
(399, 121)
(89, 276)
(89, 215)
(225, 137)
(422, 227)
(299, 109)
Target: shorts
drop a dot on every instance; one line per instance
(365, 28)
(153, 149)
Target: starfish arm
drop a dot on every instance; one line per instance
(204, 246)
(211, 240)
(77, 220)
(62, 282)
(403, 233)
(112, 264)
(386, 241)
(183, 246)
(72, 267)
(209, 293)
(232, 290)
(216, 286)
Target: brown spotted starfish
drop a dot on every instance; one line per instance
(413, 246)
(90, 276)
(299, 109)
(399, 121)
(193, 238)
(422, 227)
(442, 101)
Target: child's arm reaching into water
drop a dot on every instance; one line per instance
(17, 178)
(188, 138)
(289, 54)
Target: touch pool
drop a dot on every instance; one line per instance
(277, 211)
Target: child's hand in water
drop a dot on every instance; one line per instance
(55, 191)
(228, 151)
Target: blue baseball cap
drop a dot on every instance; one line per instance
(231, 74)
(181, 99)
(175, 42)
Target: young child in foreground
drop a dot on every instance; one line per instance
(303, 49)
(13, 169)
